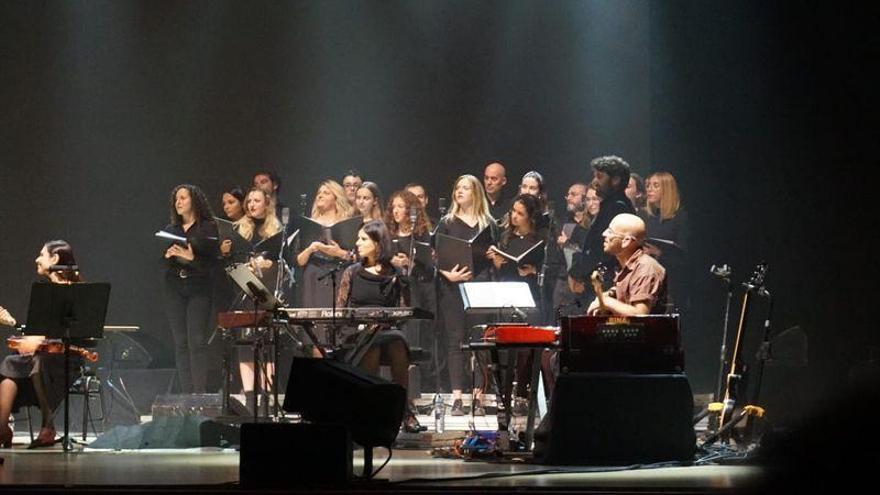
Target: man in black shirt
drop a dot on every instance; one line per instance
(610, 178)
(494, 180)
(270, 183)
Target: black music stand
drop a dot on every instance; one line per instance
(493, 298)
(254, 288)
(67, 312)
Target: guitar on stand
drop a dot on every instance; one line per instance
(735, 382)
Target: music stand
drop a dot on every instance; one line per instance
(67, 312)
(494, 298)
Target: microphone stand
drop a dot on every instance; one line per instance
(724, 273)
(542, 273)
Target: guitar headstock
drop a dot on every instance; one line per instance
(598, 276)
(756, 281)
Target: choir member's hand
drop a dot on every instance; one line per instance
(226, 247)
(457, 274)
(562, 239)
(6, 319)
(261, 263)
(181, 252)
(495, 258)
(400, 260)
(314, 247)
(575, 286)
(652, 250)
(334, 250)
(526, 270)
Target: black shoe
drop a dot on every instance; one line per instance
(477, 408)
(411, 424)
(457, 408)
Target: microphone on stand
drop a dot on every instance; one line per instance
(441, 205)
(303, 204)
(285, 216)
(413, 215)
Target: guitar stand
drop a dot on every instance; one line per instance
(747, 412)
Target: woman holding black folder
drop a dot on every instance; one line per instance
(258, 224)
(188, 286)
(521, 235)
(33, 377)
(403, 206)
(322, 261)
(468, 217)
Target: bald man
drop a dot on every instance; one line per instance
(494, 180)
(640, 283)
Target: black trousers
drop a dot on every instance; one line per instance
(188, 308)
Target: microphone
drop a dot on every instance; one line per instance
(413, 215)
(303, 204)
(722, 271)
(441, 205)
(285, 215)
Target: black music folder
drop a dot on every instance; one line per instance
(453, 251)
(534, 255)
(344, 232)
(667, 246)
(226, 230)
(423, 253)
(268, 247)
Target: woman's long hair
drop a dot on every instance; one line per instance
(423, 226)
(201, 208)
(270, 227)
(481, 204)
(532, 205)
(344, 209)
(378, 233)
(65, 258)
(670, 201)
(376, 212)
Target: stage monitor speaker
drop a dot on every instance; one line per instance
(329, 392)
(284, 455)
(617, 419)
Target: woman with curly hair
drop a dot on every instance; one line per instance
(188, 286)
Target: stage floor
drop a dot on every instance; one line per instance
(212, 469)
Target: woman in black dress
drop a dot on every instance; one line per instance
(375, 282)
(318, 259)
(34, 378)
(519, 236)
(259, 223)
(468, 216)
(188, 284)
(665, 218)
(423, 294)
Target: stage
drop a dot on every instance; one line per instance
(216, 470)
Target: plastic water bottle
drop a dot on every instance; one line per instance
(439, 414)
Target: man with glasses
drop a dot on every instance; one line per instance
(640, 282)
(352, 181)
(610, 178)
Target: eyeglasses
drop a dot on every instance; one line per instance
(610, 233)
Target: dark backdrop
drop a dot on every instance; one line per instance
(763, 111)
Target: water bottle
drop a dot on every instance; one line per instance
(439, 414)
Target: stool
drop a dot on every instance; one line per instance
(89, 386)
